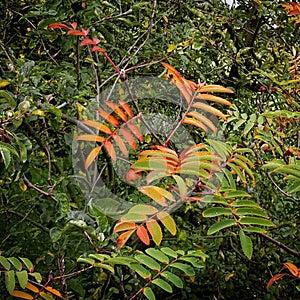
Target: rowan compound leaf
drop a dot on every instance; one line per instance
(147, 291)
(5, 263)
(214, 98)
(123, 238)
(108, 117)
(22, 295)
(126, 108)
(148, 261)
(91, 157)
(273, 279)
(163, 285)
(155, 231)
(143, 235)
(220, 225)
(167, 221)
(120, 144)
(128, 137)
(246, 244)
(90, 138)
(181, 185)
(169, 252)
(205, 107)
(27, 263)
(135, 130)
(173, 279)
(186, 269)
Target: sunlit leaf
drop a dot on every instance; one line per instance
(158, 255)
(216, 211)
(144, 209)
(135, 130)
(155, 231)
(181, 185)
(32, 288)
(120, 113)
(10, 280)
(188, 270)
(255, 221)
(22, 278)
(110, 149)
(128, 137)
(101, 127)
(5, 263)
(163, 285)
(143, 272)
(221, 225)
(108, 117)
(120, 144)
(195, 122)
(209, 109)
(214, 98)
(123, 238)
(147, 291)
(91, 157)
(143, 235)
(173, 279)
(214, 88)
(169, 252)
(126, 108)
(90, 138)
(167, 221)
(22, 295)
(148, 261)
(246, 244)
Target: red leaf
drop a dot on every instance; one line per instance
(120, 144)
(293, 269)
(93, 154)
(143, 235)
(58, 25)
(108, 117)
(127, 108)
(123, 238)
(76, 32)
(85, 31)
(87, 42)
(110, 149)
(129, 138)
(74, 25)
(135, 130)
(98, 49)
(131, 176)
(273, 279)
(122, 226)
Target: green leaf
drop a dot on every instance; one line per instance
(163, 285)
(37, 276)
(10, 281)
(173, 278)
(121, 260)
(104, 266)
(27, 263)
(143, 272)
(254, 229)
(241, 203)
(221, 225)
(236, 194)
(5, 263)
(256, 221)
(250, 211)
(181, 185)
(158, 255)
(142, 209)
(193, 260)
(16, 263)
(134, 217)
(5, 156)
(216, 211)
(86, 260)
(8, 98)
(167, 221)
(246, 244)
(99, 257)
(169, 252)
(148, 261)
(9, 147)
(149, 293)
(22, 278)
(188, 270)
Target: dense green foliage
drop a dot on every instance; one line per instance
(47, 80)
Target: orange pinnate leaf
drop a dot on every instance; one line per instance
(92, 155)
(123, 238)
(22, 295)
(111, 150)
(108, 117)
(155, 231)
(273, 279)
(167, 221)
(122, 226)
(120, 144)
(120, 113)
(143, 235)
(214, 88)
(90, 138)
(101, 127)
(76, 32)
(135, 130)
(157, 194)
(31, 287)
(293, 269)
(126, 108)
(58, 25)
(128, 137)
(195, 122)
(53, 291)
(206, 121)
(210, 109)
(214, 98)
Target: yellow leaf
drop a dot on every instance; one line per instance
(22, 185)
(4, 83)
(171, 48)
(38, 112)
(21, 295)
(228, 276)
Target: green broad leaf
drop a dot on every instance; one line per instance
(99, 257)
(181, 185)
(230, 179)
(163, 285)
(148, 261)
(158, 255)
(186, 269)
(22, 278)
(7, 97)
(197, 253)
(143, 209)
(121, 260)
(216, 211)
(238, 172)
(246, 244)
(27, 263)
(195, 262)
(167, 221)
(173, 278)
(214, 199)
(5, 263)
(143, 272)
(250, 211)
(16, 263)
(254, 229)
(5, 154)
(134, 217)
(147, 291)
(242, 203)
(248, 127)
(104, 266)
(221, 225)
(236, 194)
(10, 281)
(238, 124)
(9, 147)
(37, 276)
(218, 147)
(169, 252)
(86, 260)
(255, 221)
